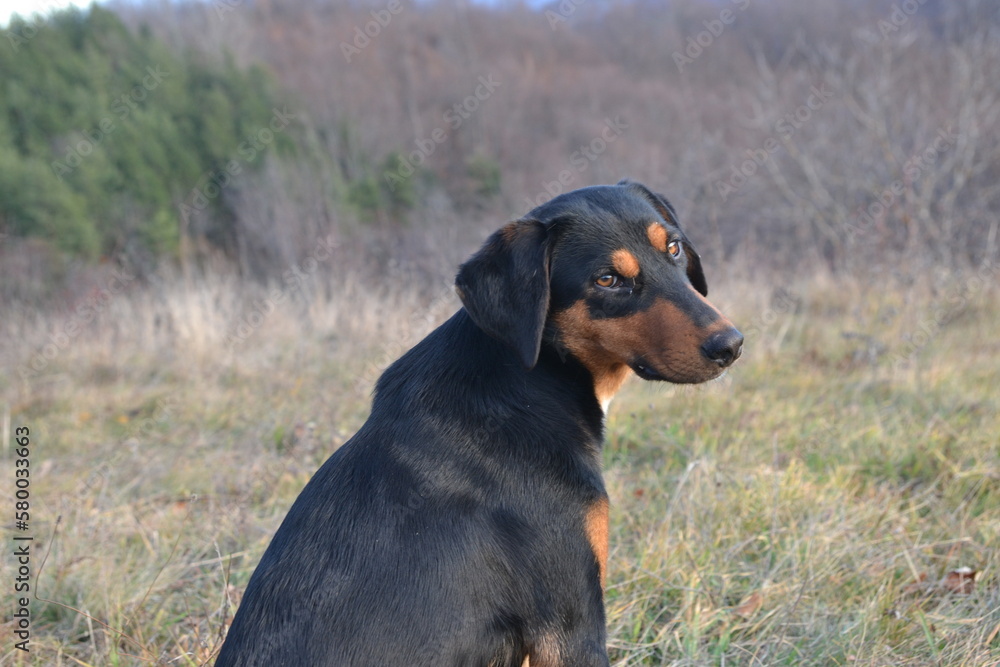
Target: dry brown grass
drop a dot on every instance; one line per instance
(784, 515)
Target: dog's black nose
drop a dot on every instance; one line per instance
(723, 347)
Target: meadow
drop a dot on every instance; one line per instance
(200, 283)
(833, 500)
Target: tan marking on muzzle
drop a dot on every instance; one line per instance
(582, 337)
(664, 336)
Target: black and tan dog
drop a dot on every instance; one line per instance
(466, 523)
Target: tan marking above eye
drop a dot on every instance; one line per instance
(625, 263)
(657, 234)
(674, 248)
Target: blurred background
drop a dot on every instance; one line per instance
(119, 123)
(221, 219)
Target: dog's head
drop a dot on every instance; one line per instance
(606, 274)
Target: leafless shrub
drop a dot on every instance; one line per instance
(901, 75)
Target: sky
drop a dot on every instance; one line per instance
(28, 7)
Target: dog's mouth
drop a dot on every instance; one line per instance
(646, 371)
(643, 369)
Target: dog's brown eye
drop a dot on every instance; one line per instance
(674, 248)
(608, 280)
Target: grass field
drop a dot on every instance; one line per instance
(813, 507)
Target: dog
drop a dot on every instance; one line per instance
(466, 523)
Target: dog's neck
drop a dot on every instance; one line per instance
(463, 355)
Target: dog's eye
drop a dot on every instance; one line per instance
(674, 248)
(608, 281)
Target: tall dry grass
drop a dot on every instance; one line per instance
(804, 510)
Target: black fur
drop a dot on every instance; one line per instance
(663, 207)
(448, 530)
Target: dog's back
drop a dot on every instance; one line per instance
(415, 543)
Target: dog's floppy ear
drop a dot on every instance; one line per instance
(663, 207)
(505, 287)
